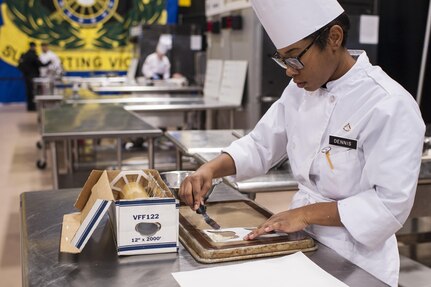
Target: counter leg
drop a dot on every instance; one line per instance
(53, 147)
(65, 156)
(413, 247)
(69, 157)
(179, 159)
(75, 155)
(119, 154)
(232, 118)
(209, 120)
(151, 153)
(185, 120)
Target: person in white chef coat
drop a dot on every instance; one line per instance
(353, 135)
(55, 68)
(157, 65)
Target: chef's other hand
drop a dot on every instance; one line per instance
(195, 186)
(322, 213)
(286, 221)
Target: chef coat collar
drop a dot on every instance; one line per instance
(337, 85)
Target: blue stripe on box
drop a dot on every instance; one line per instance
(91, 224)
(143, 247)
(146, 202)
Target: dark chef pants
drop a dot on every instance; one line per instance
(31, 106)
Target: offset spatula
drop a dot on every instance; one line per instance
(203, 209)
(211, 222)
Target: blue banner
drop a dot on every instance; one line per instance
(12, 85)
(172, 9)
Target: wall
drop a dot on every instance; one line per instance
(402, 27)
(245, 44)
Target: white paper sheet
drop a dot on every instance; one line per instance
(213, 78)
(196, 42)
(292, 270)
(233, 81)
(369, 29)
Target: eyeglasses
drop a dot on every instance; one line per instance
(294, 62)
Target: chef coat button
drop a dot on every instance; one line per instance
(293, 146)
(332, 99)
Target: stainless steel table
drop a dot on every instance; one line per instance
(98, 264)
(44, 102)
(203, 104)
(72, 122)
(98, 80)
(156, 99)
(206, 145)
(154, 105)
(135, 88)
(204, 141)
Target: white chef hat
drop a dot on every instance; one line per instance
(288, 21)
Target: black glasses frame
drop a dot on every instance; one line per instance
(294, 62)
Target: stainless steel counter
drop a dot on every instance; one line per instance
(70, 122)
(134, 88)
(43, 102)
(206, 145)
(205, 141)
(98, 80)
(153, 99)
(196, 105)
(275, 180)
(98, 264)
(133, 99)
(145, 104)
(203, 104)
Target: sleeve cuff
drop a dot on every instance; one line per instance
(367, 219)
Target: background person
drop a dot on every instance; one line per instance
(353, 135)
(29, 64)
(157, 65)
(54, 69)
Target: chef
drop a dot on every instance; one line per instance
(353, 135)
(54, 69)
(157, 66)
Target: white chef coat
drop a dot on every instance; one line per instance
(153, 65)
(52, 70)
(374, 184)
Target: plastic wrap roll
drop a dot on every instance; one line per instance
(133, 190)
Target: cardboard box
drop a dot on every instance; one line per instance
(140, 226)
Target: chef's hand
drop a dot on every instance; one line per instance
(322, 213)
(286, 221)
(195, 186)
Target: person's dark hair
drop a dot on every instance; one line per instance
(342, 21)
(32, 44)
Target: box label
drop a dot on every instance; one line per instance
(147, 226)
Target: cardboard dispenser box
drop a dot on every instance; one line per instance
(142, 211)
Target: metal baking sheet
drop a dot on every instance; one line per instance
(232, 214)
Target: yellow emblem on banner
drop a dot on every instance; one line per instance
(184, 3)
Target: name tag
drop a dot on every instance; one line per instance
(348, 143)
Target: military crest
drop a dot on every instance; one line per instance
(74, 24)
